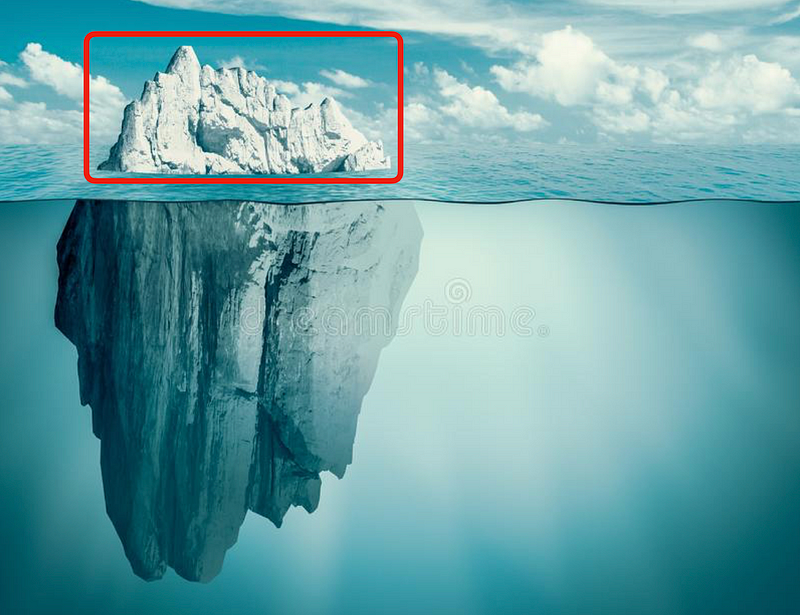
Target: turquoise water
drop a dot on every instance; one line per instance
(481, 172)
(638, 451)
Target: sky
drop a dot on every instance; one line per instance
(572, 71)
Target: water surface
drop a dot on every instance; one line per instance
(450, 172)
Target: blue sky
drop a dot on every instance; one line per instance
(588, 71)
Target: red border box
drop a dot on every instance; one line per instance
(242, 180)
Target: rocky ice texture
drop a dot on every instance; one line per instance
(198, 120)
(224, 349)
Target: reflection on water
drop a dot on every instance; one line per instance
(224, 349)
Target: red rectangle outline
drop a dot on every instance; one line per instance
(243, 180)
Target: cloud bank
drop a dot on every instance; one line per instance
(628, 70)
(34, 122)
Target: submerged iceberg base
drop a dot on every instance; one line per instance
(205, 351)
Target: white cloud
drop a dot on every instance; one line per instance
(571, 70)
(638, 76)
(288, 88)
(238, 61)
(568, 69)
(421, 70)
(234, 62)
(380, 126)
(674, 119)
(784, 50)
(726, 99)
(446, 108)
(709, 41)
(751, 106)
(480, 108)
(787, 17)
(677, 120)
(418, 118)
(653, 82)
(479, 21)
(344, 79)
(35, 122)
(423, 123)
(316, 92)
(9, 79)
(467, 68)
(613, 93)
(106, 107)
(64, 77)
(621, 122)
(747, 84)
(687, 7)
(511, 24)
(517, 24)
(308, 92)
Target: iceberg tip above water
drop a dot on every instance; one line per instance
(195, 119)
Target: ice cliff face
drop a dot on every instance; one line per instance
(224, 349)
(198, 120)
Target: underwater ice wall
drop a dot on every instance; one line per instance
(218, 350)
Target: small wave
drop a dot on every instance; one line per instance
(447, 173)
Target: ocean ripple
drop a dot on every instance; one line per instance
(450, 172)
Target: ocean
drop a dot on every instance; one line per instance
(634, 448)
(485, 171)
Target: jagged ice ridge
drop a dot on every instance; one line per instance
(195, 119)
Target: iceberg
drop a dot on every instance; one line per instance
(195, 119)
(224, 349)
